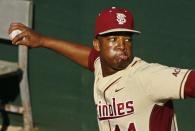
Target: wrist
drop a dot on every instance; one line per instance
(43, 41)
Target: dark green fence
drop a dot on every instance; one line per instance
(62, 92)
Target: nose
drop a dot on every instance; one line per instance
(121, 43)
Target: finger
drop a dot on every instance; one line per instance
(22, 38)
(22, 42)
(15, 26)
(19, 37)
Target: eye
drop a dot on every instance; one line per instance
(128, 39)
(112, 39)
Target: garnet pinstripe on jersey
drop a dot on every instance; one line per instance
(138, 97)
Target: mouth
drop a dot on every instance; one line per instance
(122, 57)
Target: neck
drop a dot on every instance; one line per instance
(108, 71)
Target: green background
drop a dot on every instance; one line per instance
(62, 92)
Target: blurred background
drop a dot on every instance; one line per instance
(62, 92)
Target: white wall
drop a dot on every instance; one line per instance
(14, 11)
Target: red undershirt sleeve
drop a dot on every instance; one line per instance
(189, 89)
(92, 57)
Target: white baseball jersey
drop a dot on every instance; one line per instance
(138, 98)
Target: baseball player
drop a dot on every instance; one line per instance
(130, 94)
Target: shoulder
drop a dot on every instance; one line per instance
(144, 66)
(97, 65)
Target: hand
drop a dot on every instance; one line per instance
(28, 37)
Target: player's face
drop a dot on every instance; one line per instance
(115, 52)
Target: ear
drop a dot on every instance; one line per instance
(96, 44)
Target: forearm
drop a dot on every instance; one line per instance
(76, 52)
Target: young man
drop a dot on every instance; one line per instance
(130, 94)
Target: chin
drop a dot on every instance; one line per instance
(121, 66)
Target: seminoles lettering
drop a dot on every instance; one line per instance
(176, 72)
(114, 110)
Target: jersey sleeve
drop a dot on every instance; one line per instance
(189, 89)
(92, 57)
(163, 82)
